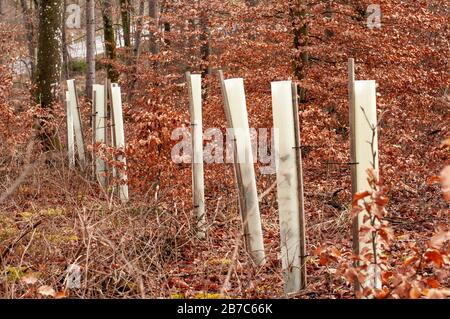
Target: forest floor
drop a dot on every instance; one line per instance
(59, 217)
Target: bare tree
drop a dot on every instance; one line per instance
(90, 47)
(205, 39)
(136, 49)
(110, 40)
(138, 32)
(298, 14)
(125, 10)
(154, 13)
(28, 20)
(65, 52)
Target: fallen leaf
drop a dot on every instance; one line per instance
(433, 180)
(434, 256)
(446, 142)
(439, 239)
(382, 294)
(60, 295)
(410, 260)
(46, 291)
(433, 283)
(438, 293)
(323, 260)
(415, 293)
(30, 279)
(445, 176)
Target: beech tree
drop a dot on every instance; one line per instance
(261, 41)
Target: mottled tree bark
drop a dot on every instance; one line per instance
(300, 29)
(154, 12)
(205, 39)
(125, 11)
(90, 47)
(65, 52)
(48, 66)
(110, 41)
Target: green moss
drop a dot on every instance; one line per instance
(15, 273)
(53, 212)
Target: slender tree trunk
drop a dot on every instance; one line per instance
(90, 47)
(154, 13)
(1, 6)
(136, 49)
(110, 41)
(301, 30)
(48, 66)
(125, 11)
(138, 33)
(205, 39)
(28, 20)
(65, 52)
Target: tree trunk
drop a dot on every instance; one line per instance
(48, 66)
(138, 33)
(28, 20)
(110, 41)
(136, 49)
(90, 47)
(205, 39)
(65, 53)
(125, 11)
(154, 12)
(301, 29)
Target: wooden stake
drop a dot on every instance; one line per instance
(116, 99)
(300, 190)
(236, 111)
(112, 141)
(99, 130)
(194, 82)
(77, 123)
(289, 184)
(351, 112)
(70, 133)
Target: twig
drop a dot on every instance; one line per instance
(26, 170)
(11, 246)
